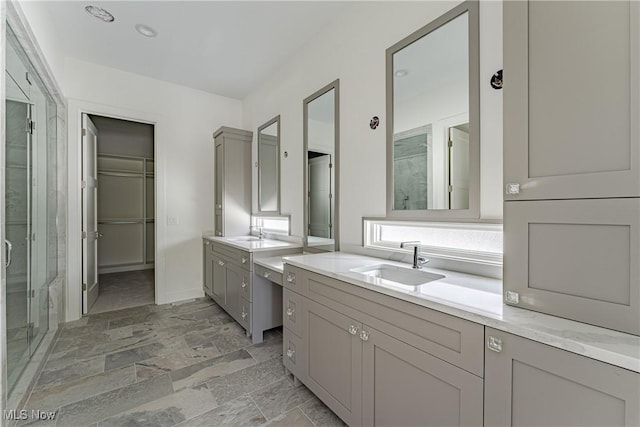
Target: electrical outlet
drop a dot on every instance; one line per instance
(172, 220)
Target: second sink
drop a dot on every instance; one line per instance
(403, 276)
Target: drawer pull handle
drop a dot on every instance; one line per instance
(221, 263)
(494, 344)
(267, 274)
(364, 335)
(290, 353)
(353, 330)
(290, 311)
(291, 278)
(244, 285)
(244, 260)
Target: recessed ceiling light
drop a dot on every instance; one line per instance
(146, 30)
(401, 73)
(99, 13)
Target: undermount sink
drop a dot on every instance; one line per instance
(243, 239)
(400, 275)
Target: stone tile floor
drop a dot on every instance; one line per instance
(124, 290)
(188, 364)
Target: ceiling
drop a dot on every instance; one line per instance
(222, 47)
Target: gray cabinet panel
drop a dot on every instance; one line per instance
(570, 132)
(532, 384)
(208, 268)
(294, 355)
(232, 181)
(576, 259)
(403, 386)
(333, 370)
(233, 280)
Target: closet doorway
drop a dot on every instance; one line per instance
(118, 221)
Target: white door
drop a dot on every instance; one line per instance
(459, 169)
(90, 287)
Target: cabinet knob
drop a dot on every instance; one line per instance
(206, 243)
(267, 274)
(244, 285)
(244, 260)
(290, 311)
(494, 344)
(218, 206)
(364, 335)
(512, 297)
(353, 330)
(221, 263)
(290, 353)
(244, 314)
(291, 277)
(513, 188)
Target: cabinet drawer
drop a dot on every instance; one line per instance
(293, 354)
(576, 259)
(244, 314)
(292, 311)
(292, 278)
(455, 340)
(246, 286)
(268, 274)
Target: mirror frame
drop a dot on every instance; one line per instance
(335, 85)
(261, 212)
(473, 212)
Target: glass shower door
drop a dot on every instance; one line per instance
(18, 231)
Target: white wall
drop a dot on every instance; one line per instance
(185, 120)
(352, 49)
(44, 32)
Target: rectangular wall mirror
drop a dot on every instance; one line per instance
(433, 138)
(321, 148)
(269, 167)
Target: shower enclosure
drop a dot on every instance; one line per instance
(30, 208)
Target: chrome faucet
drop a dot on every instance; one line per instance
(260, 231)
(418, 261)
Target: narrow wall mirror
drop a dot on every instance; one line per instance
(321, 148)
(269, 167)
(433, 138)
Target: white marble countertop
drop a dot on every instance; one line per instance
(252, 245)
(274, 263)
(479, 299)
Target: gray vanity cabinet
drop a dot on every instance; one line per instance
(404, 386)
(375, 360)
(571, 99)
(232, 181)
(532, 384)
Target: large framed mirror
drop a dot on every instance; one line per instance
(321, 160)
(433, 110)
(269, 167)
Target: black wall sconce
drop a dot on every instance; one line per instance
(375, 121)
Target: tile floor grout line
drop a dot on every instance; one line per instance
(266, 420)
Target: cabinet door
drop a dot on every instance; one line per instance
(532, 384)
(219, 174)
(208, 268)
(334, 354)
(404, 386)
(219, 281)
(571, 99)
(576, 259)
(233, 287)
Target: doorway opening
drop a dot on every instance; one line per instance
(118, 214)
